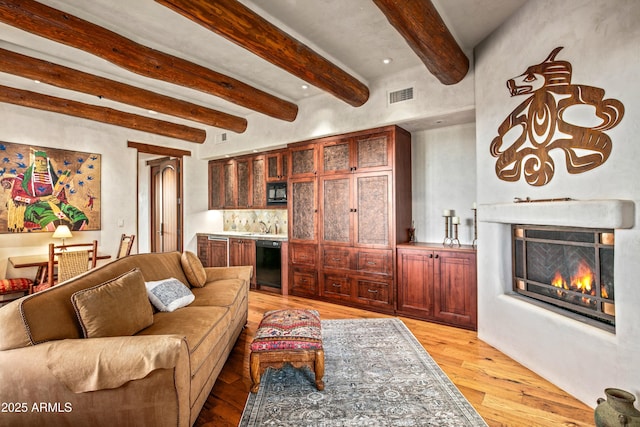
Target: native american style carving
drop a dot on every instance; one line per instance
(537, 126)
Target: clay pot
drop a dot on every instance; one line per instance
(617, 410)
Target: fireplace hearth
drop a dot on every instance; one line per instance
(568, 270)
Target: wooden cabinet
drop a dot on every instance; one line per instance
(243, 182)
(362, 197)
(438, 284)
(358, 153)
(243, 252)
(229, 184)
(277, 165)
(216, 184)
(303, 210)
(304, 161)
(237, 183)
(212, 252)
(302, 269)
(258, 183)
(250, 182)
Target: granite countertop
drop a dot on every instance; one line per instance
(246, 234)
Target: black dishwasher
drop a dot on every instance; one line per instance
(268, 262)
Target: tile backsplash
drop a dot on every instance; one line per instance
(273, 221)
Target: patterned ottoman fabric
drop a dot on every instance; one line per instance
(289, 329)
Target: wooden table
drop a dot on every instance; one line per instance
(41, 262)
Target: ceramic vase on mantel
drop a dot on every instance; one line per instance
(617, 409)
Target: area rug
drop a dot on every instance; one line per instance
(376, 374)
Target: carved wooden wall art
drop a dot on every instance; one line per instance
(537, 126)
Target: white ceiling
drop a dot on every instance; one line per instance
(353, 34)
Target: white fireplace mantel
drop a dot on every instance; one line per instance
(609, 213)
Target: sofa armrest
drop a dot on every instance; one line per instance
(220, 273)
(81, 380)
(101, 363)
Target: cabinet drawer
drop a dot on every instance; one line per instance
(336, 258)
(372, 291)
(335, 285)
(375, 262)
(303, 254)
(304, 283)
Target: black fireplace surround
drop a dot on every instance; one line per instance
(568, 270)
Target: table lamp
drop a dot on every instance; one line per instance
(62, 232)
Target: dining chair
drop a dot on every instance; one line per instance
(126, 243)
(71, 263)
(13, 289)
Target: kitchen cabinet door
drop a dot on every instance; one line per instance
(258, 183)
(336, 209)
(216, 186)
(303, 211)
(373, 210)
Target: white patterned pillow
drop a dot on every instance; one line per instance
(169, 294)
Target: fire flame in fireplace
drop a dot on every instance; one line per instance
(581, 281)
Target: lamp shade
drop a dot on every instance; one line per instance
(62, 232)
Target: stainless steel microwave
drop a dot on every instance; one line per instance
(276, 193)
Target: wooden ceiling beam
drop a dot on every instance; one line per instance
(157, 149)
(62, 27)
(237, 23)
(30, 99)
(68, 78)
(420, 24)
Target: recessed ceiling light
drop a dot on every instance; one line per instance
(36, 81)
(387, 60)
(152, 112)
(304, 87)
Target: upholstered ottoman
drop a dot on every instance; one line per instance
(288, 336)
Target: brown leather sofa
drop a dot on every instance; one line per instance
(52, 374)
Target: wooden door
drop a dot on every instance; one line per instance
(303, 211)
(303, 161)
(455, 291)
(373, 215)
(229, 182)
(243, 182)
(335, 157)
(336, 209)
(258, 183)
(373, 152)
(416, 282)
(166, 208)
(277, 166)
(216, 184)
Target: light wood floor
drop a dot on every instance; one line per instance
(501, 390)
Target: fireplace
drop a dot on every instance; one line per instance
(568, 270)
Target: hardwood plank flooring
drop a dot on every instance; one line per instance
(503, 392)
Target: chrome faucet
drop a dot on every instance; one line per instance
(264, 228)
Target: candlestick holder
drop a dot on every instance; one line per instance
(475, 228)
(455, 240)
(447, 239)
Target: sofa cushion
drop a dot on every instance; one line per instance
(222, 293)
(193, 269)
(114, 308)
(204, 328)
(169, 294)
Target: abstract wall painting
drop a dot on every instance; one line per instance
(44, 187)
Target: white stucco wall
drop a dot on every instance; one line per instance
(119, 172)
(601, 40)
(443, 177)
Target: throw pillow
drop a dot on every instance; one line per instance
(169, 294)
(193, 269)
(117, 307)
